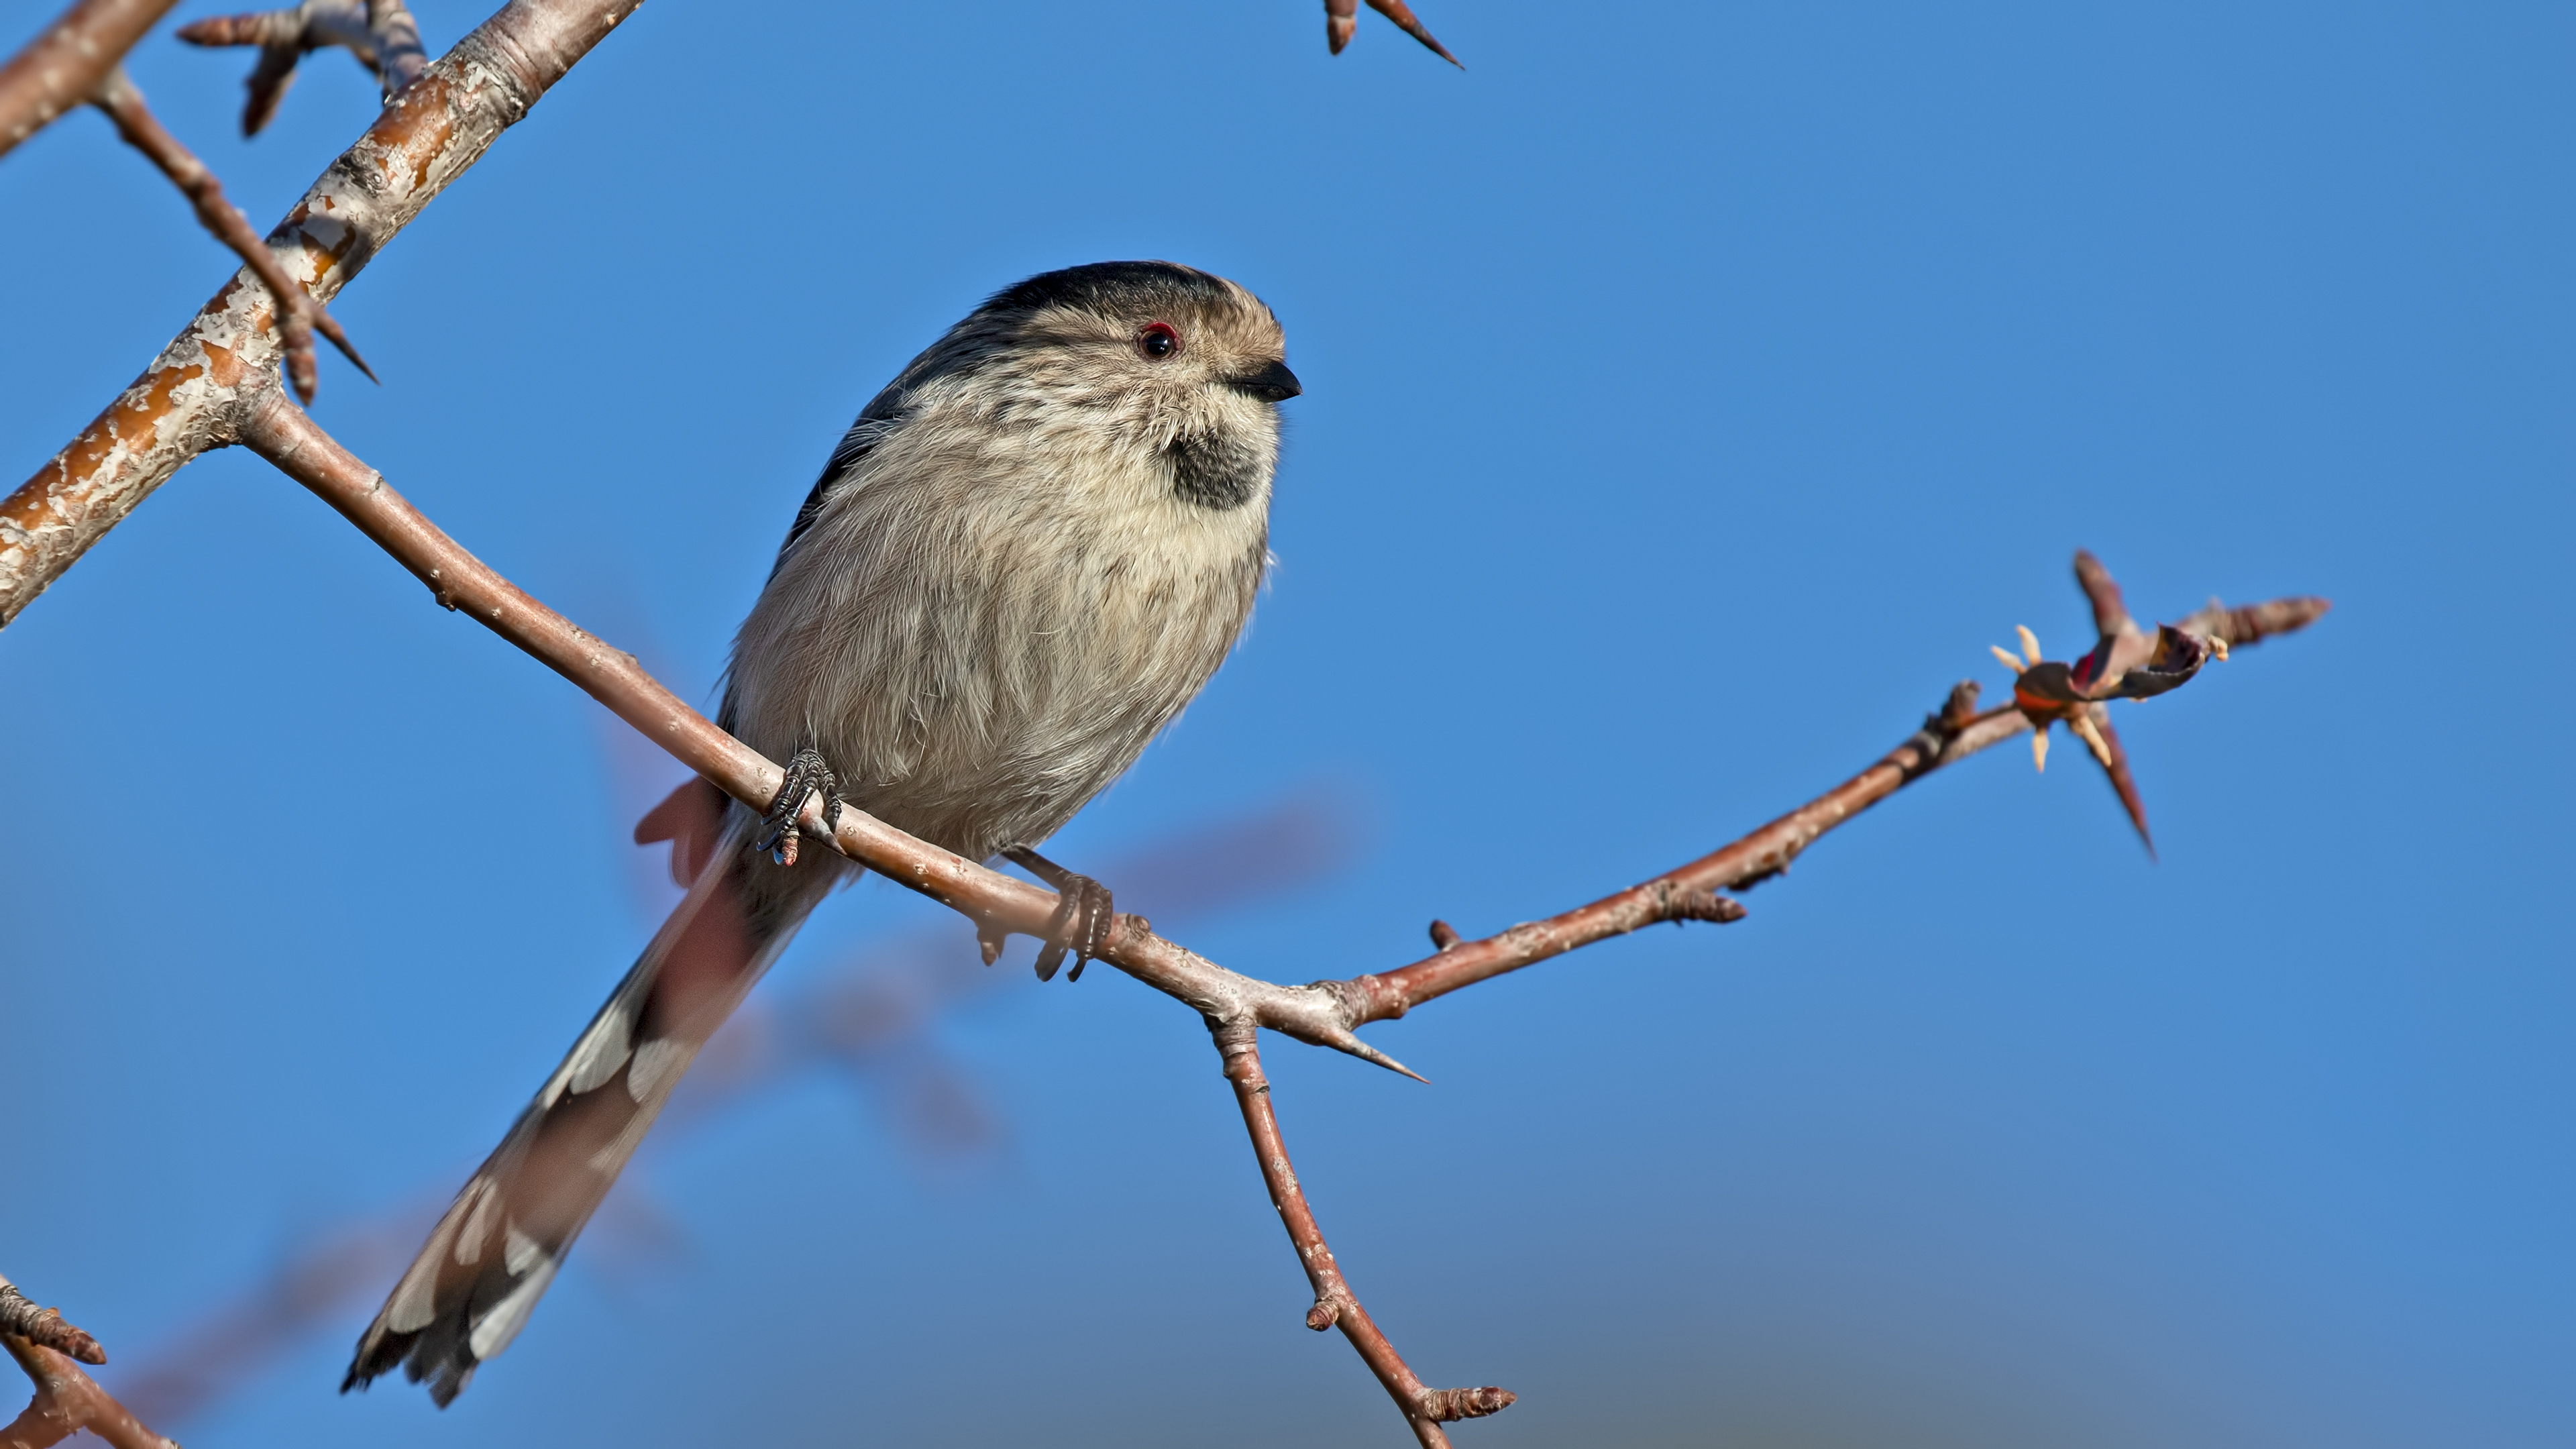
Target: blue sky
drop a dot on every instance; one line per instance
(1693, 392)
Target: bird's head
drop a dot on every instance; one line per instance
(1177, 364)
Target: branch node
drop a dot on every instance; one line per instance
(1238, 1041)
(1958, 710)
(1326, 1312)
(1443, 935)
(1680, 903)
(1449, 1405)
(380, 33)
(45, 1326)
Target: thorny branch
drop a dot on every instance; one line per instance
(380, 33)
(1425, 1409)
(66, 1399)
(1235, 1007)
(438, 120)
(44, 1327)
(1341, 18)
(56, 72)
(79, 59)
(214, 385)
(123, 104)
(192, 396)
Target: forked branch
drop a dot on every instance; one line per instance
(380, 33)
(1949, 735)
(192, 396)
(66, 1400)
(1425, 1409)
(215, 384)
(1324, 1013)
(117, 97)
(79, 58)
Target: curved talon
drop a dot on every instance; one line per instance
(806, 774)
(1084, 914)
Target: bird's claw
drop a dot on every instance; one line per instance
(1083, 916)
(806, 774)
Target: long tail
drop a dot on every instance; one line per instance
(490, 1258)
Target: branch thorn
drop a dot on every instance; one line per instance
(1346, 1042)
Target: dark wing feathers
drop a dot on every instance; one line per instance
(875, 421)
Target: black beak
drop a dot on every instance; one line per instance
(1274, 383)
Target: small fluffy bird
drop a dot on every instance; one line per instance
(1023, 559)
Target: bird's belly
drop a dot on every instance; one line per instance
(981, 709)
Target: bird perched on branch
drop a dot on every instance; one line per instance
(1023, 559)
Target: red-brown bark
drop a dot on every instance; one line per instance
(66, 1400)
(1235, 1007)
(1341, 18)
(192, 396)
(216, 385)
(123, 105)
(1425, 1409)
(57, 71)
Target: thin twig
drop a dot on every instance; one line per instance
(302, 316)
(192, 396)
(1425, 1409)
(1951, 734)
(1948, 736)
(1323, 1013)
(66, 1399)
(45, 1326)
(380, 33)
(56, 71)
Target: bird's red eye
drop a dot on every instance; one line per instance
(1158, 340)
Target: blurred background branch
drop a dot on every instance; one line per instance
(66, 1400)
(62, 67)
(1956, 730)
(871, 1020)
(379, 33)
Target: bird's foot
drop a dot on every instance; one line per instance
(1081, 922)
(806, 775)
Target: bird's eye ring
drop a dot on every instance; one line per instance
(1158, 341)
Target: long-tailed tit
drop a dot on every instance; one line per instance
(1025, 557)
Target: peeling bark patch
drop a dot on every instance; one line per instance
(159, 399)
(221, 365)
(327, 238)
(435, 129)
(416, 128)
(26, 510)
